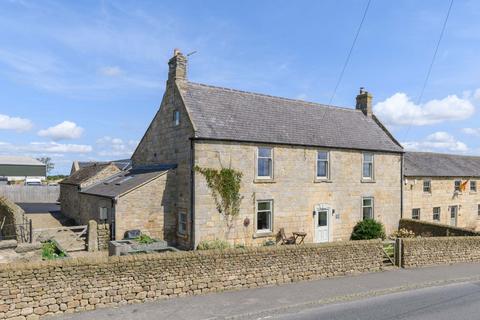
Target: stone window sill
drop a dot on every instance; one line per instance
(368, 181)
(257, 180)
(262, 234)
(318, 180)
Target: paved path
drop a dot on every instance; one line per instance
(48, 217)
(293, 299)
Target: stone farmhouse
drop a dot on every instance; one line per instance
(306, 167)
(442, 188)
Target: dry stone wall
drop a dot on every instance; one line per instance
(432, 229)
(103, 236)
(418, 252)
(11, 215)
(30, 291)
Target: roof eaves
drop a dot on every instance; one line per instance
(199, 138)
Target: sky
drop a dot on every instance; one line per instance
(81, 80)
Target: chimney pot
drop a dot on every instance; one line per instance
(177, 67)
(364, 102)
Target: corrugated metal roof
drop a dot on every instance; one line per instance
(226, 114)
(20, 161)
(428, 164)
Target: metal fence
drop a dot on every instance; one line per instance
(30, 194)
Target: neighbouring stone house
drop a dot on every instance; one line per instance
(123, 164)
(442, 188)
(70, 188)
(306, 167)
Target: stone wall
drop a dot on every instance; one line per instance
(418, 252)
(166, 143)
(149, 208)
(89, 208)
(27, 290)
(70, 201)
(431, 229)
(103, 236)
(295, 191)
(442, 195)
(11, 216)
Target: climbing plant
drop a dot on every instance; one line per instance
(224, 185)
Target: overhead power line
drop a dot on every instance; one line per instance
(350, 52)
(427, 77)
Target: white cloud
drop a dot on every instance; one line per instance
(472, 131)
(45, 147)
(400, 110)
(116, 147)
(112, 71)
(14, 123)
(64, 130)
(439, 141)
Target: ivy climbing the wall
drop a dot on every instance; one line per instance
(224, 185)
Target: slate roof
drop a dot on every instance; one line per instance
(125, 181)
(20, 161)
(427, 164)
(233, 115)
(84, 174)
(122, 164)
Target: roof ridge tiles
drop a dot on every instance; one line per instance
(276, 97)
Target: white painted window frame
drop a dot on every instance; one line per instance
(429, 186)
(372, 205)
(419, 213)
(473, 183)
(372, 173)
(269, 177)
(260, 231)
(439, 213)
(327, 177)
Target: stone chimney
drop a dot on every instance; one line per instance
(177, 67)
(364, 102)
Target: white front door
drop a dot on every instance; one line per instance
(453, 215)
(322, 219)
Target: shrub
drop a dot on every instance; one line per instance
(368, 229)
(50, 251)
(144, 239)
(402, 233)
(213, 244)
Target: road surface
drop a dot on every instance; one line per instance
(426, 293)
(457, 301)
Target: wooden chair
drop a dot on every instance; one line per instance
(285, 240)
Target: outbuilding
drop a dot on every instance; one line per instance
(18, 168)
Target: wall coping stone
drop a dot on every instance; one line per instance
(88, 261)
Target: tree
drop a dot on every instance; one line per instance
(47, 161)
(224, 185)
